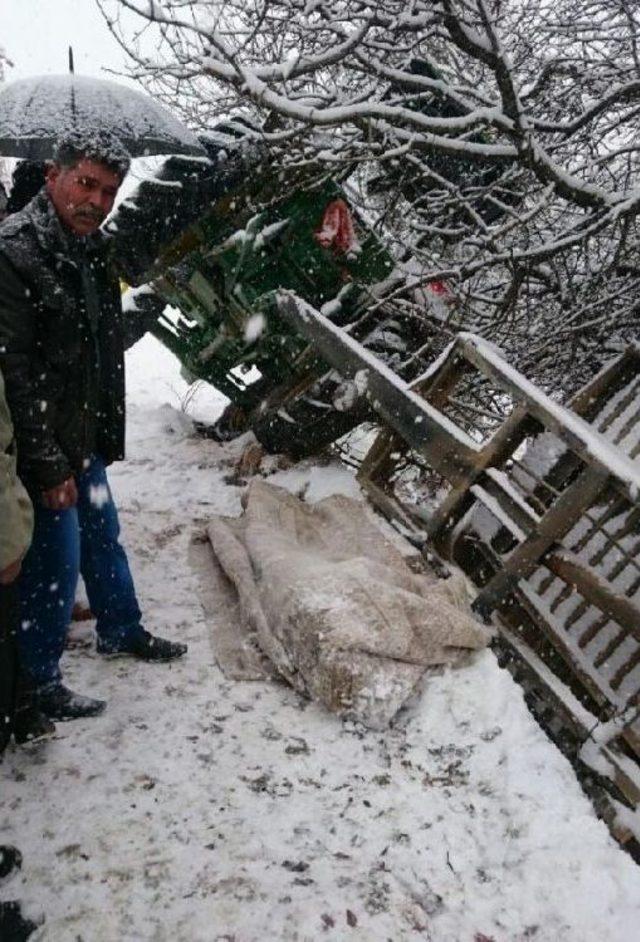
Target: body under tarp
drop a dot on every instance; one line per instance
(333, 605)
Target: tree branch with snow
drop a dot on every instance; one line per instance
(494, 142)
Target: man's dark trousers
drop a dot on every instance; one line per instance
(85, 539)
(9, 620)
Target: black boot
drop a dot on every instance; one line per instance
(31, 724)
(13, 926)
(10, 861)
(59, 703)
(147, 647)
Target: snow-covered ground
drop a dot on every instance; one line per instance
(196, 809)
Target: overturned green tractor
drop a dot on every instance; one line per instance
(220, 277)
(219, 243)
(228, 325)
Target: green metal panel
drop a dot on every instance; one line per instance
(224, 288)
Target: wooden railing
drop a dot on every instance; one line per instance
(542, 511)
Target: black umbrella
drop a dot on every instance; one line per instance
(36, 112)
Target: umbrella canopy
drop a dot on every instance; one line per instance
(36, 112)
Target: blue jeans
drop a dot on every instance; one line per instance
(82, 539)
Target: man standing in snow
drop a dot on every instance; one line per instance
(16, 518)
(61, 352)
(17, 714)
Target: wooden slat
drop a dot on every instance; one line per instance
(625, 669)
(594, 629)
(630, 424)
(448, 450)
(630, 395)
(599, 594)
(514, 430)
(597, 559)
(552, 527)
(596, 591)
(575, 719)
(583, 440)
(610, 648)
(579, 665)
(391, 508)
(589, 400)
(377, 464)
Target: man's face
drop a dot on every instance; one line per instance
(83, 195)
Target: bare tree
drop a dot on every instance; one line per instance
(494, 142)
(4, 62)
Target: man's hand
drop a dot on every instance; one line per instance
(11, 573)
(62, 496)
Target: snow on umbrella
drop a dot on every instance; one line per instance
(36, 112)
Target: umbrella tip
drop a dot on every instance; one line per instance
(71, 68)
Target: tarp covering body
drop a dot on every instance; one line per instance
(334, 605)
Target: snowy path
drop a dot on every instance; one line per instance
(198, 810)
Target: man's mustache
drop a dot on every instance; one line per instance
(94, 214)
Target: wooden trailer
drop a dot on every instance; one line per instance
(539, 504)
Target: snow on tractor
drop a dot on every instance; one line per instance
(229, 331)
(221, 275)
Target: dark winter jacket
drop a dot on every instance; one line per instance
(16, 513)
(61, 345)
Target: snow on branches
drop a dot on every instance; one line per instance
(494, 143)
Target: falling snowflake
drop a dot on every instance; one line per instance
(99, 495)
(254, 327)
